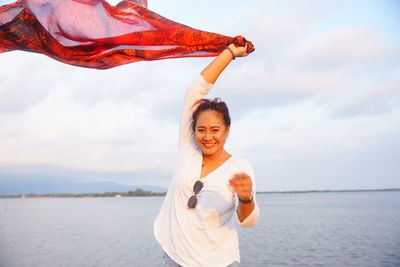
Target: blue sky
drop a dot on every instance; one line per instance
(316, 106)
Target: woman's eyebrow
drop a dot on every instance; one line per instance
(211, 127)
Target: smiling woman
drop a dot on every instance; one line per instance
(211, 190)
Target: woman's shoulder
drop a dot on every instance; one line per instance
(242, 163)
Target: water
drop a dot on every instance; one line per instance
(319, 229)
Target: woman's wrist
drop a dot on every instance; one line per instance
(246, 200)
(237, 51)
(231, 51)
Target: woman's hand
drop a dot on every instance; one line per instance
(241, 183)
(238, 51)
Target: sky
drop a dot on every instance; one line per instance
(315, 107)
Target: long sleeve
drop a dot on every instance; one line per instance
(187, 235)
(196, 91)
(252, 219)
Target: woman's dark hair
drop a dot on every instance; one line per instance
(216, 105)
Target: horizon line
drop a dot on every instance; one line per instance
(257, 192)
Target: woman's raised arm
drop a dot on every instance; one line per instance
(217, 66)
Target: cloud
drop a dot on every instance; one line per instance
(302, 53)
(16, 94)
(351, 71)
(317, 92)
(368, 100)
(345, 47)
(48, 172)
(297, 148)
(104, 137)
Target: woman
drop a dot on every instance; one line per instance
(211, 189)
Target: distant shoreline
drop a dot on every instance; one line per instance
(330, 191)
(137, 193)
(142, 193)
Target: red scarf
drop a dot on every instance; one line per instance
(94, 34)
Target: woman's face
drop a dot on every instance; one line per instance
(210, 132)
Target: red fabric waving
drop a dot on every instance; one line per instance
(94, 34)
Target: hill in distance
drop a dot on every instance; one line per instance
(54, 186)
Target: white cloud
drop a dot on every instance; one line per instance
(16, 94)
(104, 137)
(351, 71)
(363, 100)
(124, 121)
(344, 47)
(297, 148)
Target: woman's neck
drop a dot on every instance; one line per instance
(216, 157)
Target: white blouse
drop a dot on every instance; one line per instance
(206, 235)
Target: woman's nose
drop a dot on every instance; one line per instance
(207, 136)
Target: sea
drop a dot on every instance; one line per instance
(294, 229)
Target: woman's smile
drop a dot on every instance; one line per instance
(208, 144)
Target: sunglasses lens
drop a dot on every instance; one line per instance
(193, 199)
(197, 187)
(192, 202)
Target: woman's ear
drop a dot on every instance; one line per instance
(227, 130)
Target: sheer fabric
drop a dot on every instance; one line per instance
(95, 34)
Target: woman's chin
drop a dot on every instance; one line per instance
(208, 152)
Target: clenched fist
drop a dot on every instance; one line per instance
(241, 183)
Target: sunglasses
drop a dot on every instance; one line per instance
(193, 199)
